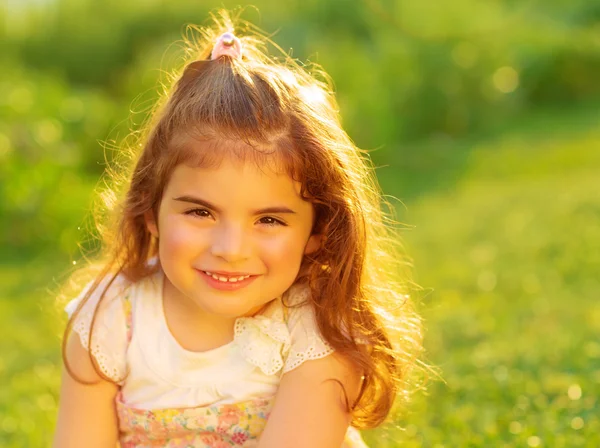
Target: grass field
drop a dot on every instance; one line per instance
(505, 244)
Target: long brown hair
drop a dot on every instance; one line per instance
(275, 110)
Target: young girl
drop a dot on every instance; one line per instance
(247, 293)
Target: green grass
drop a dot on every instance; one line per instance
(505, 244)
(508, 256)
(30, 347)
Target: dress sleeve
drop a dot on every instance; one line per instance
(107, 341)
(306, 341)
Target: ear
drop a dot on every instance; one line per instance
(313, 244)
(151, 224)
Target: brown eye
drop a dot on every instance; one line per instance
(270, 221)
(199, 212)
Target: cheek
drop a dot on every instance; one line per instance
(177, 236)
(284, 249)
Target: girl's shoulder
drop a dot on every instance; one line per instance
(306, 340)
(101, 317)
(99, 292)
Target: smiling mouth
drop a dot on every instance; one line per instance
(227, 278)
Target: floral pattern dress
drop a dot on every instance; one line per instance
(170, 397)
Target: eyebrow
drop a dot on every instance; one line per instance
(204, 203)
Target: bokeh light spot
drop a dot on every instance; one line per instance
(487, 281)
(9, 424)
(534, 441)
(48, 131)
(501, 374)
(411, 430)
(574, 392)
(21, 99)
(523, 402)
(577, 423)
(506, 79)
(515, 427)
(46, 402)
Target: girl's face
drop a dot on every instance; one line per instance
(231, 238)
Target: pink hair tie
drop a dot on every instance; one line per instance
(227, 45)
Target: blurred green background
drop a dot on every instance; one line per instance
(484, 119)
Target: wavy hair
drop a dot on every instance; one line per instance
(275, 110)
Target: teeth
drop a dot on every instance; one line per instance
(225, 279)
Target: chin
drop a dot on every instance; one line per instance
(229, 313)
(219, 306)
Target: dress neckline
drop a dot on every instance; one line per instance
(166, 331)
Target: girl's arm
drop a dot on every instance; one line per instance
(86, 414)
(310, 407)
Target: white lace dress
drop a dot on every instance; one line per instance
(172, 397)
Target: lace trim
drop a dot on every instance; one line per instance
(311, 344)
(266, 341)
(102, 343)
(263, 342)
(108, 364)
(317, 349)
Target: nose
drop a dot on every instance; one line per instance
(230, 243)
